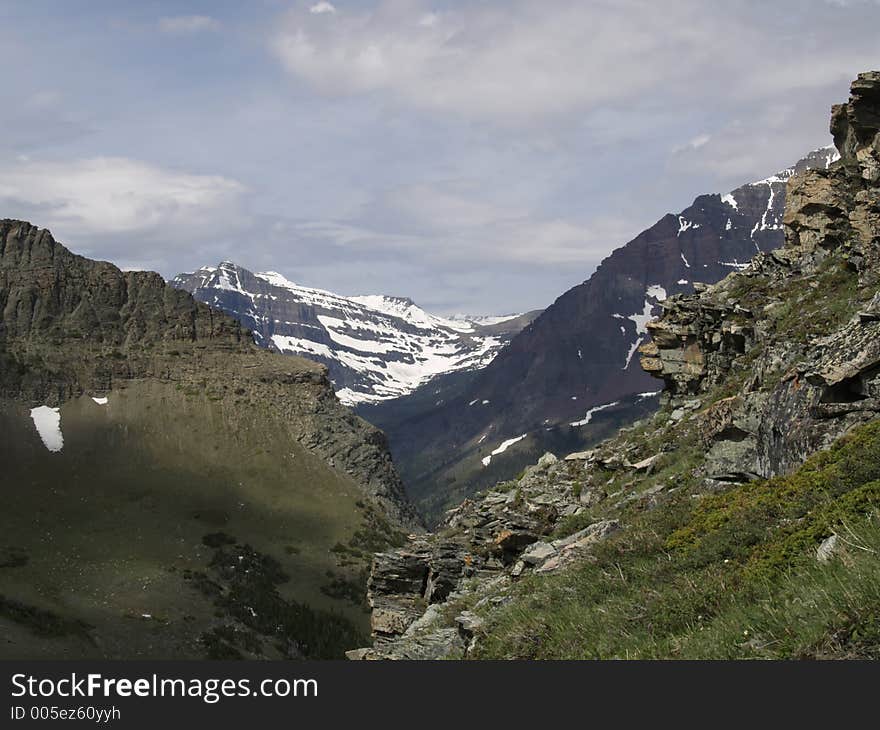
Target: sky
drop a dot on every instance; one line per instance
(479, 157)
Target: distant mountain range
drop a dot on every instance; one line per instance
(468, 401)
(375, 347)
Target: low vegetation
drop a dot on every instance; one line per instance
(726, 575)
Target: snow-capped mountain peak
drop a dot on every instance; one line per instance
(376, 347)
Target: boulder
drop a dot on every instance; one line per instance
(646, 464)
(538, 553)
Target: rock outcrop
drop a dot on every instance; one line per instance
(808, 367)
(481, 547)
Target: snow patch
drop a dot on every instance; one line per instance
(685, 260)
(300, 346)
(641, 319)
(730, 200)
(502, 448)
(100, 401)
(48, 423)
(632, 351)
(684, 225)
(734, 264)
(590, 413)
(485, 320)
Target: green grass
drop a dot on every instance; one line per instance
(720, 576)
(146, 488)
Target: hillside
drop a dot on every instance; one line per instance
(740, 521)
(171, 490)
(374, 347)
(571, 377)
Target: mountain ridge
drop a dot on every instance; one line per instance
(72, 325)
(578, 354)
(171, 489)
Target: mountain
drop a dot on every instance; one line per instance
(572, 376)
(171, 490)
(375, 347)
(740, 521)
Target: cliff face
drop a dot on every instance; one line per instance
(681, 521)
(71, 326)
(69, 323)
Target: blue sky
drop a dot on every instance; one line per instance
(476, 156)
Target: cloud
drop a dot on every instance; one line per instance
(410, 143)
(115, 196)
(188, 24)
(520, 62)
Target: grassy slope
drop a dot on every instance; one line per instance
(106, 530)
(729, 575)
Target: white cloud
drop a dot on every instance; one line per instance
(187, 24)
(115, 195)
(515, 60)
(520, 61)
(321, 8)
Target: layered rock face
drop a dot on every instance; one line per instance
(807, 375)
(71, 326)
(581, 352)
(760, 371)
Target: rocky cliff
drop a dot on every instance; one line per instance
(171, 489)
(580, 354)
(70, 326)
(696, 532)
